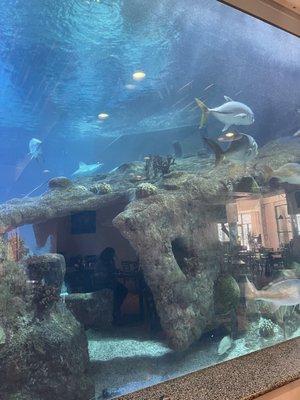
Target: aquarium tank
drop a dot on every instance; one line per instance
(150, 192)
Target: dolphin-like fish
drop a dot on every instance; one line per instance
(283, 293)
(240, 151)
(230, 113)
(87, 169)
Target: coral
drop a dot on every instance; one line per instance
(46, 273)
(44, 298)
(14, 292)
(158, 165)
(17, 247)
(5, 251)
(145, 190)
(2, 336)
(101, 188)
(266, 328)
(39, 353)
(227, 294)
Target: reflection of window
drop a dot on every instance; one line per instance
(284, 225)
(221, 234)
(297, 198)
(244, 229)
(83, 222)
(297, 218)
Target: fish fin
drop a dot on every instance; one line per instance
(251, 293)
(82, 164)
(241, 115)
(205, 111)
(226, 127)
(227, 98)
(219, 153)
(268, 172)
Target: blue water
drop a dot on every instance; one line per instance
(62, 63)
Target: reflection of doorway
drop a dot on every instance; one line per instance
(284, 224)
(244, 229)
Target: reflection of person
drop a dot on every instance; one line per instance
(106, 279)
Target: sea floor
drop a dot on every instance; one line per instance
(126, 359)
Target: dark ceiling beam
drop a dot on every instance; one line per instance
(269, 11)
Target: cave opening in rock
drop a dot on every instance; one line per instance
(182, 253)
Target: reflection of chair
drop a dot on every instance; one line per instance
(80, 273)
(274, 261)
(132, 275)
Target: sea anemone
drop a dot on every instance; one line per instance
(145, 190)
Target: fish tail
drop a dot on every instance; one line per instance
(251, 293)
(219, 153)
(205, 111)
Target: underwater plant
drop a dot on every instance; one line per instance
(145, 190)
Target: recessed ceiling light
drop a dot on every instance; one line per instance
(139, 76)
(103, 116)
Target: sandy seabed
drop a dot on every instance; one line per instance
(127, 360)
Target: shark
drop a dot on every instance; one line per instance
(87, 169)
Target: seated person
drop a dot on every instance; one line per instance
(105, 278)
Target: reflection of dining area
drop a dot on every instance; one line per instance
(258, 236)
(258, 265)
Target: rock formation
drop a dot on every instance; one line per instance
(92, 310)
(43, 349)
(173, 231)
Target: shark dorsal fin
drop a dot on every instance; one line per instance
(227, 98)
(81, 164)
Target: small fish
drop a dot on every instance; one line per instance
(87, 169)
(283, 293)
(230, 113)
(297, 134)
(46, 171)
(288, 173)
(224, 345)
(239, 151)
(35, 149)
